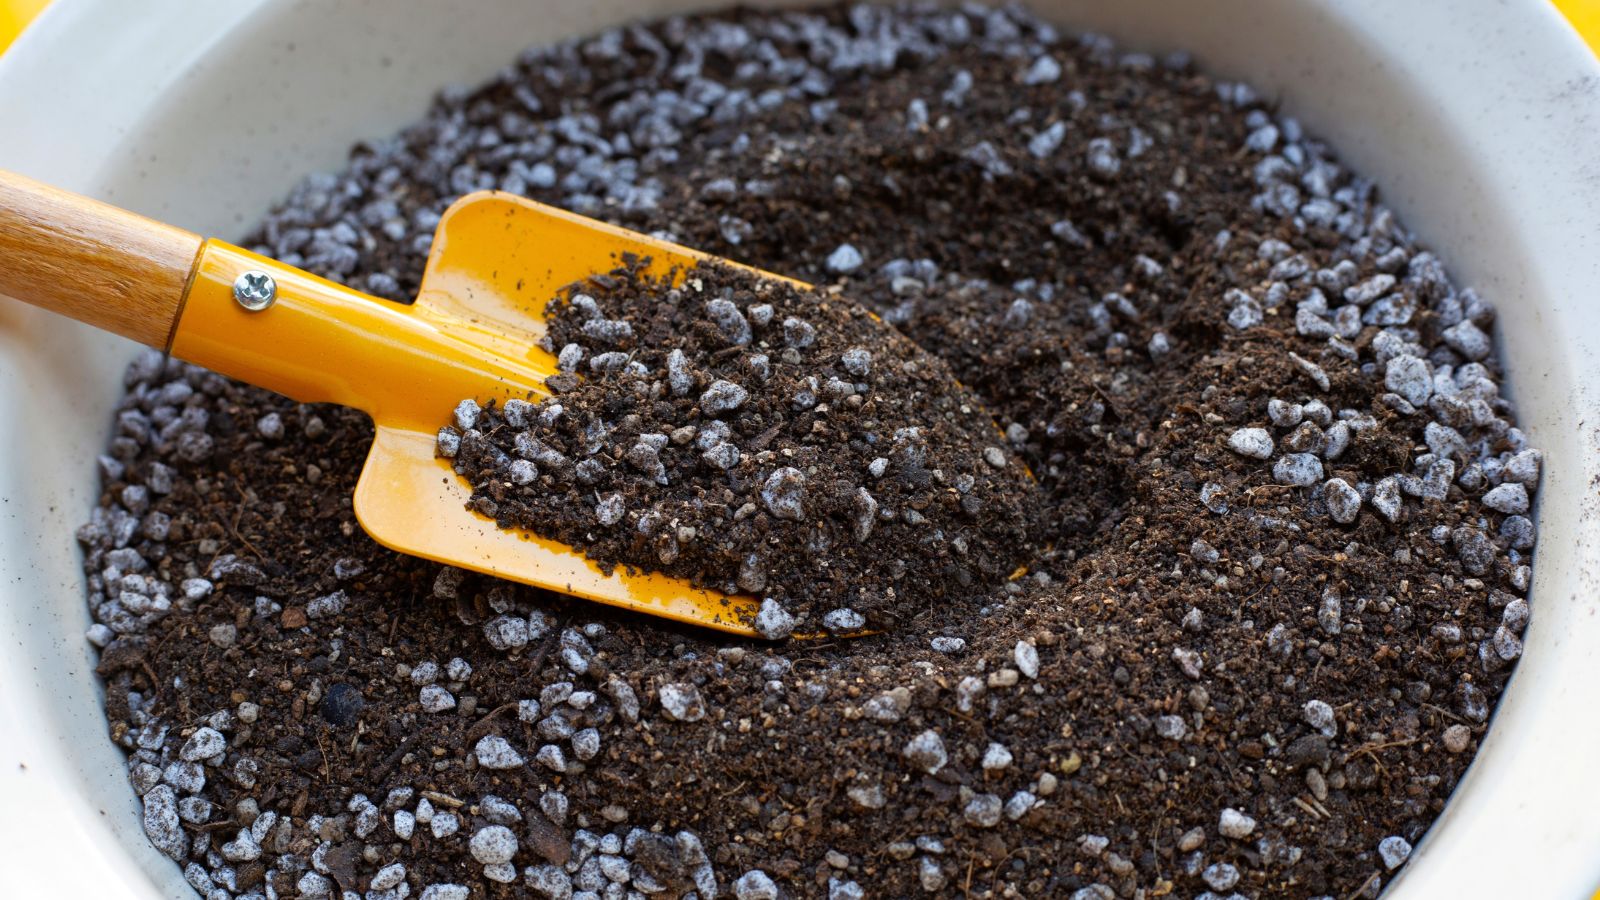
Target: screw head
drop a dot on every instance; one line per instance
(255, 290)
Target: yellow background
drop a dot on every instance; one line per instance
(1584, 16)
(14, 14)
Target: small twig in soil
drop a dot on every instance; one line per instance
(233, 528)
(481, 727)
(1443, 712)
(1363, 888)
(761, 440)
(443, 799)
(381, 774)
(1001, 864)
(1305, 806)
(209, 827)
(1374, 748)
(322, 749)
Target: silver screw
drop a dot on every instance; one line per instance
(255, 290)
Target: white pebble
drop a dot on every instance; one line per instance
(188, 777)
(996, 757)
(843, 621)
(772, 621)
(610, 509)
(1044, 144)
(1044, 70)
(1510, 498)
(1468, 340)
(504, 873)
(270, 426)
(586, 744)
(444, 824)
(1337, 441)
(722, 396)
(1102, 158)
(1386, 498)
(243, 848)
(755, 885)
(1394, 850)
(389, 876)
(426, 672)
(1221, 876)
(926, 752)
(1255, 443)
(161, 823)
(1319, 715)
(1409, 377)
(1284, 414)
(1235, 824)
(857, 361)
(522, 472)
(1369, 290)
(325, 606)
(1344, 501)
(1297, 469)
(195, 588)
(311, 884)
(1022, 802)
(506, 632)
(202, 745)
(1524, 467)
(550, 881)
(1027, 658)
(494, 844)
(784, 493)
(495, 752)
(844, 260)
(518, 413)
(435, 699)
(983, 811)
(681, 702)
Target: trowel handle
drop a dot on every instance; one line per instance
(93, 262)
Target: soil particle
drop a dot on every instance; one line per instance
(1122, 304)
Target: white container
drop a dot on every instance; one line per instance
(1480, 120)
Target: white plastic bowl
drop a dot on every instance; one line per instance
(1478, 119)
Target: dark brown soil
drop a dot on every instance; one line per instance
(757, 438)
(1201, 638)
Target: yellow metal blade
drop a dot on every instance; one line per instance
(473, 332)
(412, 502)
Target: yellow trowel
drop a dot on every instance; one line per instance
(473, 332)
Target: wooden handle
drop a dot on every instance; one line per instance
(94, 262)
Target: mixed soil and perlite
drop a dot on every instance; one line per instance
(756, 438)
(1286, 508)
